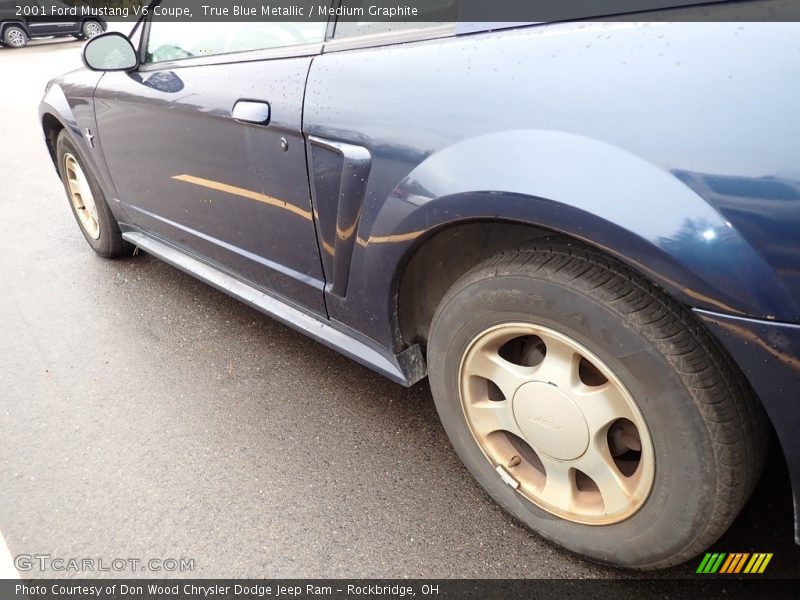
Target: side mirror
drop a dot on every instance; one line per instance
(110, 51)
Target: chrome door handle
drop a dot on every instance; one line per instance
(250, 111)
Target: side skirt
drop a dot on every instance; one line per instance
(405, 369)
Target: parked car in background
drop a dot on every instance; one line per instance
(584, 234)
(19, 24)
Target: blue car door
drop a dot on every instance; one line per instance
(204, 145)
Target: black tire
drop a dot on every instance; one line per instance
(109, 243)
(15, 37)
(709, 433)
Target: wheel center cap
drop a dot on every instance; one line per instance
(550, 420)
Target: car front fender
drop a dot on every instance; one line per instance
(595, 192)
(68, 103)
(54, 106)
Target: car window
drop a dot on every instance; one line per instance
(360, 21)
(169, 40)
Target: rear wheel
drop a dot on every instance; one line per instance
(15, 37)
(593, 407)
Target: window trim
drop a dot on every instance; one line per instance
(374, 40)
(330, 44)
(296, 51)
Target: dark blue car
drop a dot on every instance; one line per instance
(584, 234)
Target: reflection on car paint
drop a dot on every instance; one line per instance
(244, 193)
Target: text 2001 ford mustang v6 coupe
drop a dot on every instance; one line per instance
(584, 234)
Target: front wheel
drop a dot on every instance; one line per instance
(88, 203)
(91, 29)
(592, 407)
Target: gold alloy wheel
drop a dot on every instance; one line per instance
(556, 423)
(80, 194)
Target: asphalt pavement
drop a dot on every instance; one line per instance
(145, 415)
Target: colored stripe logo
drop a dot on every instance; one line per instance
(735, 562)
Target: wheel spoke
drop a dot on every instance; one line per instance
(602, 405)
(505, 375)
(614, 487)
(488, 416)
(559, 485)
(560, 364)
(83, 185)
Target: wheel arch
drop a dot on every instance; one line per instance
(21, 24)
(51, 127)
(56, 107)
(56, 115)
(443, 254)
(439, 259)
(593, 192)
